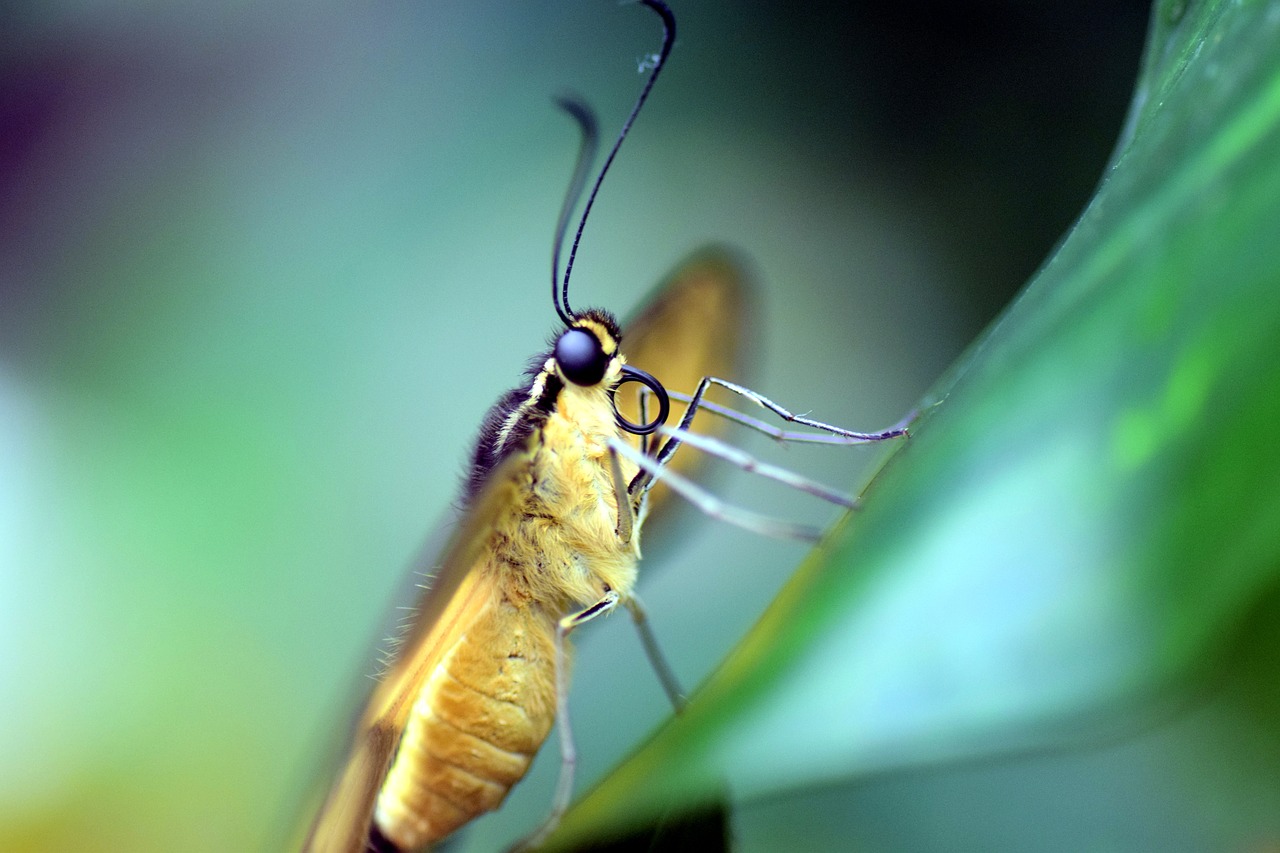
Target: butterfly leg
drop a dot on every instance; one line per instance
(654, 467)
(676, 436)
(709, 503)
(666, 675)
(749, 463)
(830, 435)
(568, 752)
(834, 434)
(628, 509)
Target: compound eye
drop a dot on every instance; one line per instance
(581, 357)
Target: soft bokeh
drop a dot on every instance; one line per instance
(262, 271)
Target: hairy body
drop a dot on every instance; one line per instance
(489, 702)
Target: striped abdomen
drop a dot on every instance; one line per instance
(475, 726)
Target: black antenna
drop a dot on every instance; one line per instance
(586, 119)
(668, 39)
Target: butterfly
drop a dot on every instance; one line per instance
(565, 474)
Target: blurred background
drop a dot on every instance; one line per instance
(262, 270)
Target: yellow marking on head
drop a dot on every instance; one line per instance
(607, 341)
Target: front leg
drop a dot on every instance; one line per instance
(628, 506)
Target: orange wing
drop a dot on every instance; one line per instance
(343, 822)
(696, 323)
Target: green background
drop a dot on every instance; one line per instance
(264, 270)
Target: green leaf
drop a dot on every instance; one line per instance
(1086, 515)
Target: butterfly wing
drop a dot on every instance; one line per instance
(696, 323)
(343, 823)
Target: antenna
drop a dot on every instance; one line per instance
(668, 39)
(587, 125)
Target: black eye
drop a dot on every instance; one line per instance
(581, 358)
